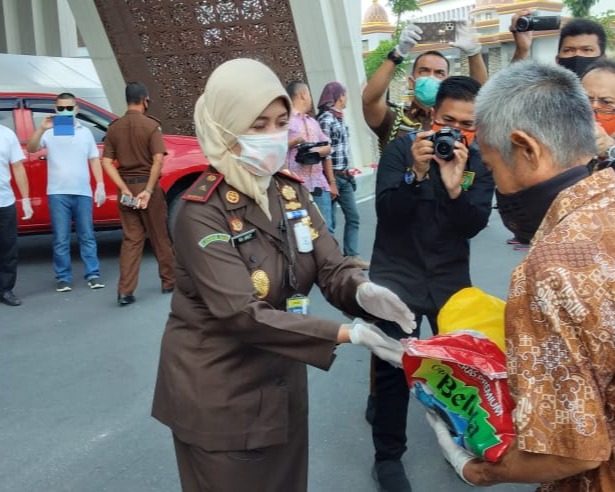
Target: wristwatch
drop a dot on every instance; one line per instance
(610, 153)
(395, 57)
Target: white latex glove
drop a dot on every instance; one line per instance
(372, 337)
(385, 304)
(455, 455)
(466, 39)
(408, 39)
(100, 195)
(27, 209)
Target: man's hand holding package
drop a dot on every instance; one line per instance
(455, 455)
(383, 303)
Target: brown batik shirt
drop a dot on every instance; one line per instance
(560, 331)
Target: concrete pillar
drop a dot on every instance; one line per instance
(47, 27)
(328, 34)
(95, 38)
(67, 39)
(10, 12)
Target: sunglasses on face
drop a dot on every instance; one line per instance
(64, 108)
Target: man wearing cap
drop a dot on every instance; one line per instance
(136, 141)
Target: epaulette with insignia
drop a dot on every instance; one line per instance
(153, 118)
(203, 187)
(289, 174)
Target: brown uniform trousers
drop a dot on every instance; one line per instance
(133, 140)
(135, 225)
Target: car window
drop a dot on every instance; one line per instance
(96, 121)
(7, 105)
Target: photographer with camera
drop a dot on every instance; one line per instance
(309, 149)
(428, 70)
(433, 194)
(581, 41)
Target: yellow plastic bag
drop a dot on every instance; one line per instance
(473, 309)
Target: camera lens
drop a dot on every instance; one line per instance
(444, 148)
(524, 23)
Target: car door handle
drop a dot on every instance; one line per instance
(42, 158)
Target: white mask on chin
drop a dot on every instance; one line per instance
(263, 155)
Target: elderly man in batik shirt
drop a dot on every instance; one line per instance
(536, 134)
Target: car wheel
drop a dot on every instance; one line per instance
(173, 209)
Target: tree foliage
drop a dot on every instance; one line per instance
(400, 7)
(607, 20)
(579, 8)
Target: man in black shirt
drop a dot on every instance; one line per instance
(428, 208)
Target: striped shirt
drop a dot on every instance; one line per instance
(332, 125)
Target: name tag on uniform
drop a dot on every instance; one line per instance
(467, 180)
(298, 304)
(244, 237)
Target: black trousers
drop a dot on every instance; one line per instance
(392, 396)
(8, 248)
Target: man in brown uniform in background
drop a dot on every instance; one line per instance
(135, 140)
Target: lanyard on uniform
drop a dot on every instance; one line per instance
(289, 251)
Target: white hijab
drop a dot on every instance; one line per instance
(237, 92)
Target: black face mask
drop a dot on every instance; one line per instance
(523, 211)
(577, 64)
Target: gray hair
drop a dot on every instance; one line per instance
(545, 101)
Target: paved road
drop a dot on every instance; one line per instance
(77, 372)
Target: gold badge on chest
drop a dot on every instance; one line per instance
(288, 193)
(236, 224)
(232, 197)
(260, 281)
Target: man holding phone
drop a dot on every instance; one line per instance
(429, 69)
(71, 154)
(135, 140)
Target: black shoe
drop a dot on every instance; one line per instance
(391, 476)
(10, 299)
(125, 300)
(63, 286)
(370, 410)
(167, 291)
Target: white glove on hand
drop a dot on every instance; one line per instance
(408, 39)
(466, 39)
(385, 304)
(372, 337)
(455, 455)
(27, 209)
(100, 195)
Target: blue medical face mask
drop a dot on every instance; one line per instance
(63, 111)
(426, 89)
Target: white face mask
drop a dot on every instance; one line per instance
(263, 155)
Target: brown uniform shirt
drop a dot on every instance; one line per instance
(232, 372)
(560, 332)
(133, 140)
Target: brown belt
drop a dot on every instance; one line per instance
(131, 181)
(340, 172)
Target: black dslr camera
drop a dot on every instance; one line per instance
(444, 142)
(306, 156)
(538, 23)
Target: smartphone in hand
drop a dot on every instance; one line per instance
(63, 125)
(129, 201)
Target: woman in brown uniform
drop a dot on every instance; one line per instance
(250, 245)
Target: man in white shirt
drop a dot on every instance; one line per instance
(68, 191)
(10, 153)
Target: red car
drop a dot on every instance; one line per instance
(23, 113)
